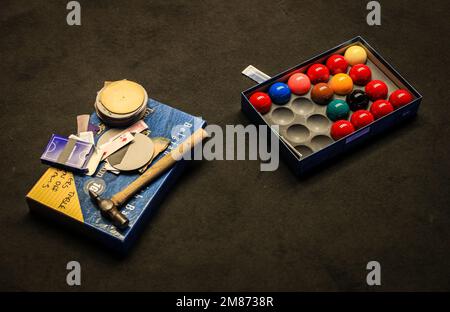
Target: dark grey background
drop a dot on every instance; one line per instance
(226, 225)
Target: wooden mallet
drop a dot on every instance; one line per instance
(109, 208)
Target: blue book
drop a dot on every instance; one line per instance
(64, 196)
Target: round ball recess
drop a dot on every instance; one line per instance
(400, 97)
(341, 128)
(355, 55)
(381, 108)
(357, 100)
(261, 102)
(299, 84)
(360, 74)
(322, 93)
(318, 73)
(361, 118)
(280, 93)
(376, 90)
(337, 64)
(337, 109)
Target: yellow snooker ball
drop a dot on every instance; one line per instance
(355, 55)
(341, 84)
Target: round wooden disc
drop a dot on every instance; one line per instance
(122, 97)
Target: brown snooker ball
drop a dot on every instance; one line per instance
(322, 93)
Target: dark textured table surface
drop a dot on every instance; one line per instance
(226, 225)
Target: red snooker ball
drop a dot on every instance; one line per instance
(341, 128)
(361, 118)
(400, 97)
(318, 73)
(381, 108)
(360, 74)
(261, 102)
(376, 90)
(337, 64)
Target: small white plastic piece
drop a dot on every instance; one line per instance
(255, 74)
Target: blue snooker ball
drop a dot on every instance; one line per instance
(280, 93)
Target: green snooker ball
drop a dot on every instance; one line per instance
(338, 109)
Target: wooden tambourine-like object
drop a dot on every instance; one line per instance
(121, 103)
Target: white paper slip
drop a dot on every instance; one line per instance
(82, 123)
(87, 137)
(95, 160)
(113, 146)
(110, 168)
(137, 127)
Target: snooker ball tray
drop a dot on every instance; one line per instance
(304, 124)
(316, 124)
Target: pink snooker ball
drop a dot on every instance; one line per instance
(299, 84)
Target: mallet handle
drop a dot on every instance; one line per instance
(159, 167)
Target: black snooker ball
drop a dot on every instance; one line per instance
(357, 100)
